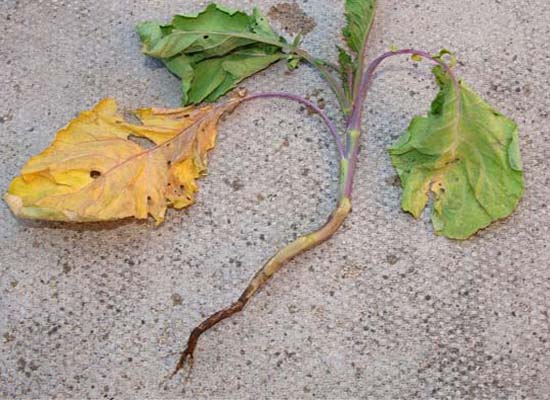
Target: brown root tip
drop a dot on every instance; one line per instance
(186, 358)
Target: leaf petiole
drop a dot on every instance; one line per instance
(354, 123)
(369, 75)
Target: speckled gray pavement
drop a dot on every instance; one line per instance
(386, 310)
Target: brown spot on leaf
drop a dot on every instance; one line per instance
(292, 18)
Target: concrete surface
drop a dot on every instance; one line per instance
(386, 310)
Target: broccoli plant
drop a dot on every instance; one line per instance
(463, 154)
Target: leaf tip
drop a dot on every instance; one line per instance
(15, 203)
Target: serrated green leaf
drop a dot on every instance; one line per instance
(467, 155)
(202, 49)
(359, 17)
(261, 26)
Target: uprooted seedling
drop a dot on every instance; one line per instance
(463, 154)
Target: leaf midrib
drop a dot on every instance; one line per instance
(250, 36)
(146, 152)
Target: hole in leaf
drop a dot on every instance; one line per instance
(95, 174)
(143, 142)
(205, 37)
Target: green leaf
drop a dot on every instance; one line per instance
(467, 155)
(216, 76)
(181, 66)
(359, 17)
(346, 70)
(203, 49)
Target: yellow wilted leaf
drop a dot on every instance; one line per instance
(93, 171)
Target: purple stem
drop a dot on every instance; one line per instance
(354, 122)
(355, 119)
(308, 104)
